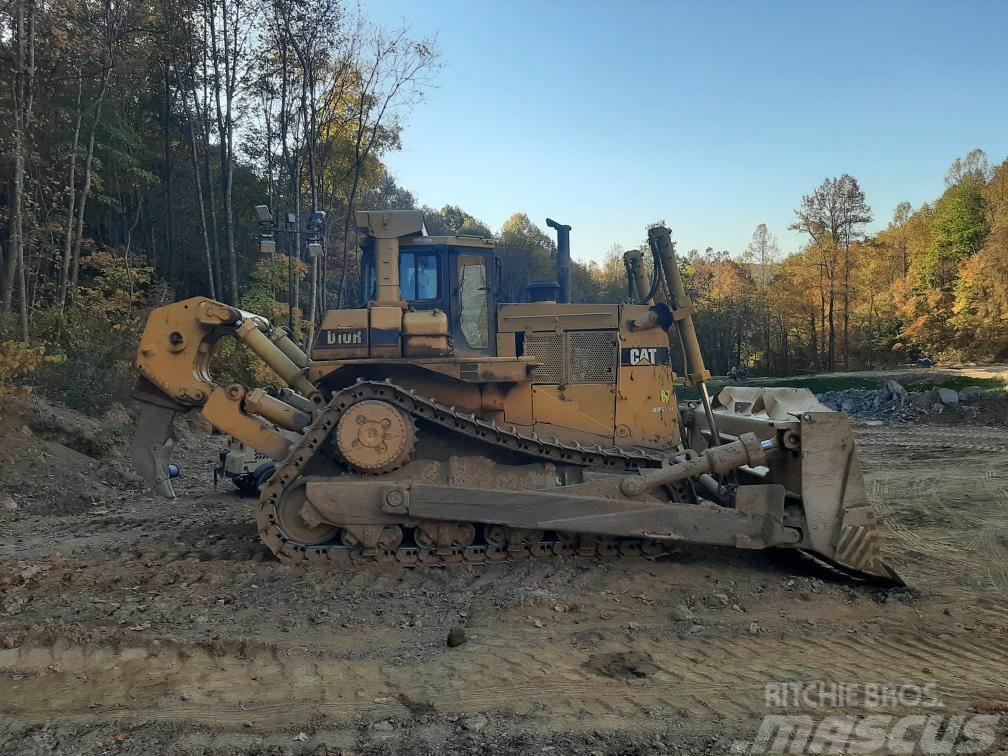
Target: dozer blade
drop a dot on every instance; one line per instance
(843, 525)
(152, 444)
(823, 470)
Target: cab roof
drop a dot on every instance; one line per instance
(448, 241)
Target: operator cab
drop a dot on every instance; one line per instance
(453, 274)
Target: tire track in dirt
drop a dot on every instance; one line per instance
(926, 440)
(286, 687)
(953, 510)
(992, 540)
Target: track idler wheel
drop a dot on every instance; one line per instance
(375, 437)
(290, 514)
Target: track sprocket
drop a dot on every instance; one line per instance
(375, 437)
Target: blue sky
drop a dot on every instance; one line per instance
(712, 116)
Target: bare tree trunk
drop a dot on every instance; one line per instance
(267, 107)
(308, 113)
(831, 355)
(229, 225)
(132, 228)
(311, 143)
(28, 100)
(169, 193)
(79, 236)
(22, 296)
(14, 264)
(225, 130)
(189, 78)
(231, 66)
(71, 198)
(288, 163)
(215, 231)
(204, 115)
(846, 307)
(202, 207)
(14, 246)
(766, 341)
(296, 289)
(814, 333)
(785, 357)
(822, 316)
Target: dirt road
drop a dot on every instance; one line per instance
(141, 626)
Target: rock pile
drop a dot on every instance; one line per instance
(894, 404)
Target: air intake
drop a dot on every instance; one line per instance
(543, 291)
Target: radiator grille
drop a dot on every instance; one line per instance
(592, 356)
(573, 357)
(548, 349)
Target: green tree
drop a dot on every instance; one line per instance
(959, 229)
(981, 294)
(527, 253)
(452, 220)
(722, 292)
(608, 278)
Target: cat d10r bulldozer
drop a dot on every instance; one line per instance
(436, 425)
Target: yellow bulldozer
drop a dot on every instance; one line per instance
(436, 425)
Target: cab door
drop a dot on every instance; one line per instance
(473, 329)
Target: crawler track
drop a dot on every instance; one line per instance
(535, 447)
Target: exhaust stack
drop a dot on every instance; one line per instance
(563, 259)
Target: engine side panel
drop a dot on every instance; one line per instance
(647, 413)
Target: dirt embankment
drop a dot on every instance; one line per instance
(55, 461)
(129, 624)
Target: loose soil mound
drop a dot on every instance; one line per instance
(56, 461)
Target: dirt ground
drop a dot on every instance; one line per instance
(129, 624)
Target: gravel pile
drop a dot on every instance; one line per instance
(894, 404)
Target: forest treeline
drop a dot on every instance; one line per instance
(933, 283)
(141, 134)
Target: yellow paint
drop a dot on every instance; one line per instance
(585, 407)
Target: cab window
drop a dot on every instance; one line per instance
(474, 322)
(418, 276)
